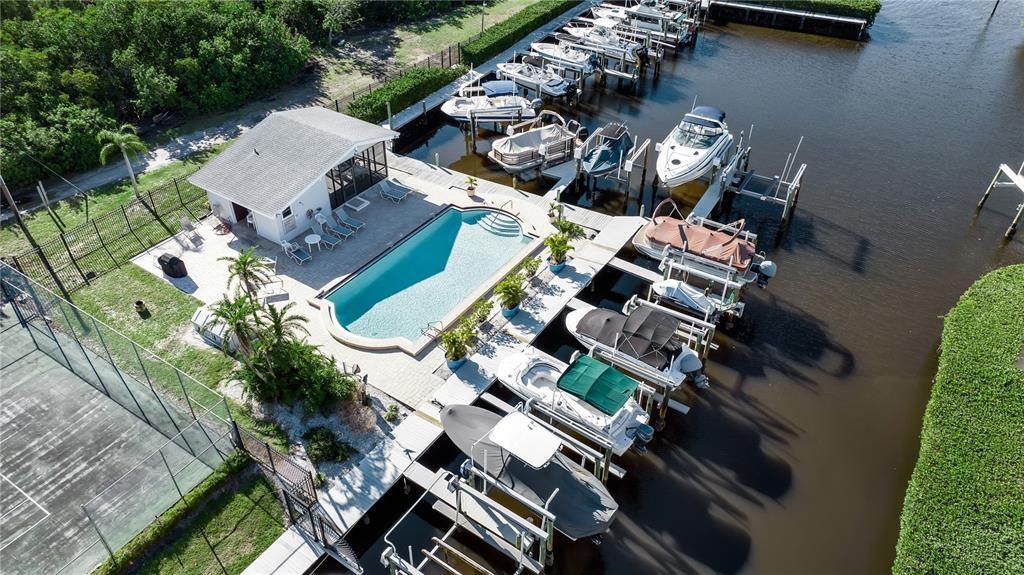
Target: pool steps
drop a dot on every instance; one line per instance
(500, 225)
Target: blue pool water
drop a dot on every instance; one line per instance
(426, 276)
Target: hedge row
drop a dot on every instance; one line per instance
(162, 525)
(402, 92)
(501, 36)
(866, 9)
(964, 509)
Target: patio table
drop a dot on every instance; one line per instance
(313, 240)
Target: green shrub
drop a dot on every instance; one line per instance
(323, 445)
(510, 291)
(503, 35)
(162, 525)
(866, 9)
(402, 92)
(301, 372)
(964, 509)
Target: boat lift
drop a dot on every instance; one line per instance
(1006, 178)
(735, 177)
(528, 541)
(623, 174)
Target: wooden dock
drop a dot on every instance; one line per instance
(787, 19)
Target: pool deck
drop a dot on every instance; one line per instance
(414, 381)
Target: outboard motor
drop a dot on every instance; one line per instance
(583, 133)
(642, 434)
(537, 103)
(641, 55)
(693, 368)
(766, 270)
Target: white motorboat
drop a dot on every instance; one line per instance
(601, 36)
(645, 334)
(530, 76)
(490, 101)
(546, 140)
(663, 22)
(723, 253)
(707, 304)
(590, 394)
(700, 142)
(522, 455)
(564, 55)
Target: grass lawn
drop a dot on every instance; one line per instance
(72, 211)
(964, 509)
(111, 300)
(239, 525)
(355, 64)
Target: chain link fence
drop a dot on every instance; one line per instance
(82, 253)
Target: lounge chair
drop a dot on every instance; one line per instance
(326, 238)
(342, 218)
(298, 254)
(393, 190)
(340, 231)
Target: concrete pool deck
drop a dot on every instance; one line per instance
(408, 379)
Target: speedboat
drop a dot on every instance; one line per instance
(490, 101)
(725, 253)
(521, 454)
(645, 334)
(703, 303)
(564, 55)
(546, 140)
(604, 151)
(646, 16)
(591, 394)
(602, 36)
(700, 142)
(531, 76)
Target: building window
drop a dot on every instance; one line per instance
(353, 176)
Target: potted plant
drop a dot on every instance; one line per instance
(553, 212)
(571, 230)
(510, 294)
(471, 186)
(558, 245)
(455, 342)
(531, 266)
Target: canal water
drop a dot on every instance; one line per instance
(797, 460)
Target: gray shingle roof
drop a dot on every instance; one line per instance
(266, 168)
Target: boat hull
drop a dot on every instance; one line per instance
(582, 507)
(673, 172)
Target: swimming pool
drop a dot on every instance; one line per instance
(426, 277)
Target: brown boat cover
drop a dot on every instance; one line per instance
(721, 247)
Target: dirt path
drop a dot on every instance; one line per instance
(361, 57)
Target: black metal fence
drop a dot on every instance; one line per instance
(86, 251)
(446, 58)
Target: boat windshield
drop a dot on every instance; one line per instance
(697, 136)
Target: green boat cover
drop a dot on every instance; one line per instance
(599, 384)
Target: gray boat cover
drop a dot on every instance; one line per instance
(531, 140)
(614, 144)
(582, 508)
(645, 334)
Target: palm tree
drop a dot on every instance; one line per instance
(236, 314)
(248, 272)
(284, 326)
(125, 140)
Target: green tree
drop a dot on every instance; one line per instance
(124, 140)
(247, 272)
(282, 325)
(236, 314)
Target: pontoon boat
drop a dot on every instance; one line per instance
(590, 394)
(724, 253)
(691, 149)
(547, 140)
(523, 455)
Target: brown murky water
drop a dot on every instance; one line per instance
(797, 460)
